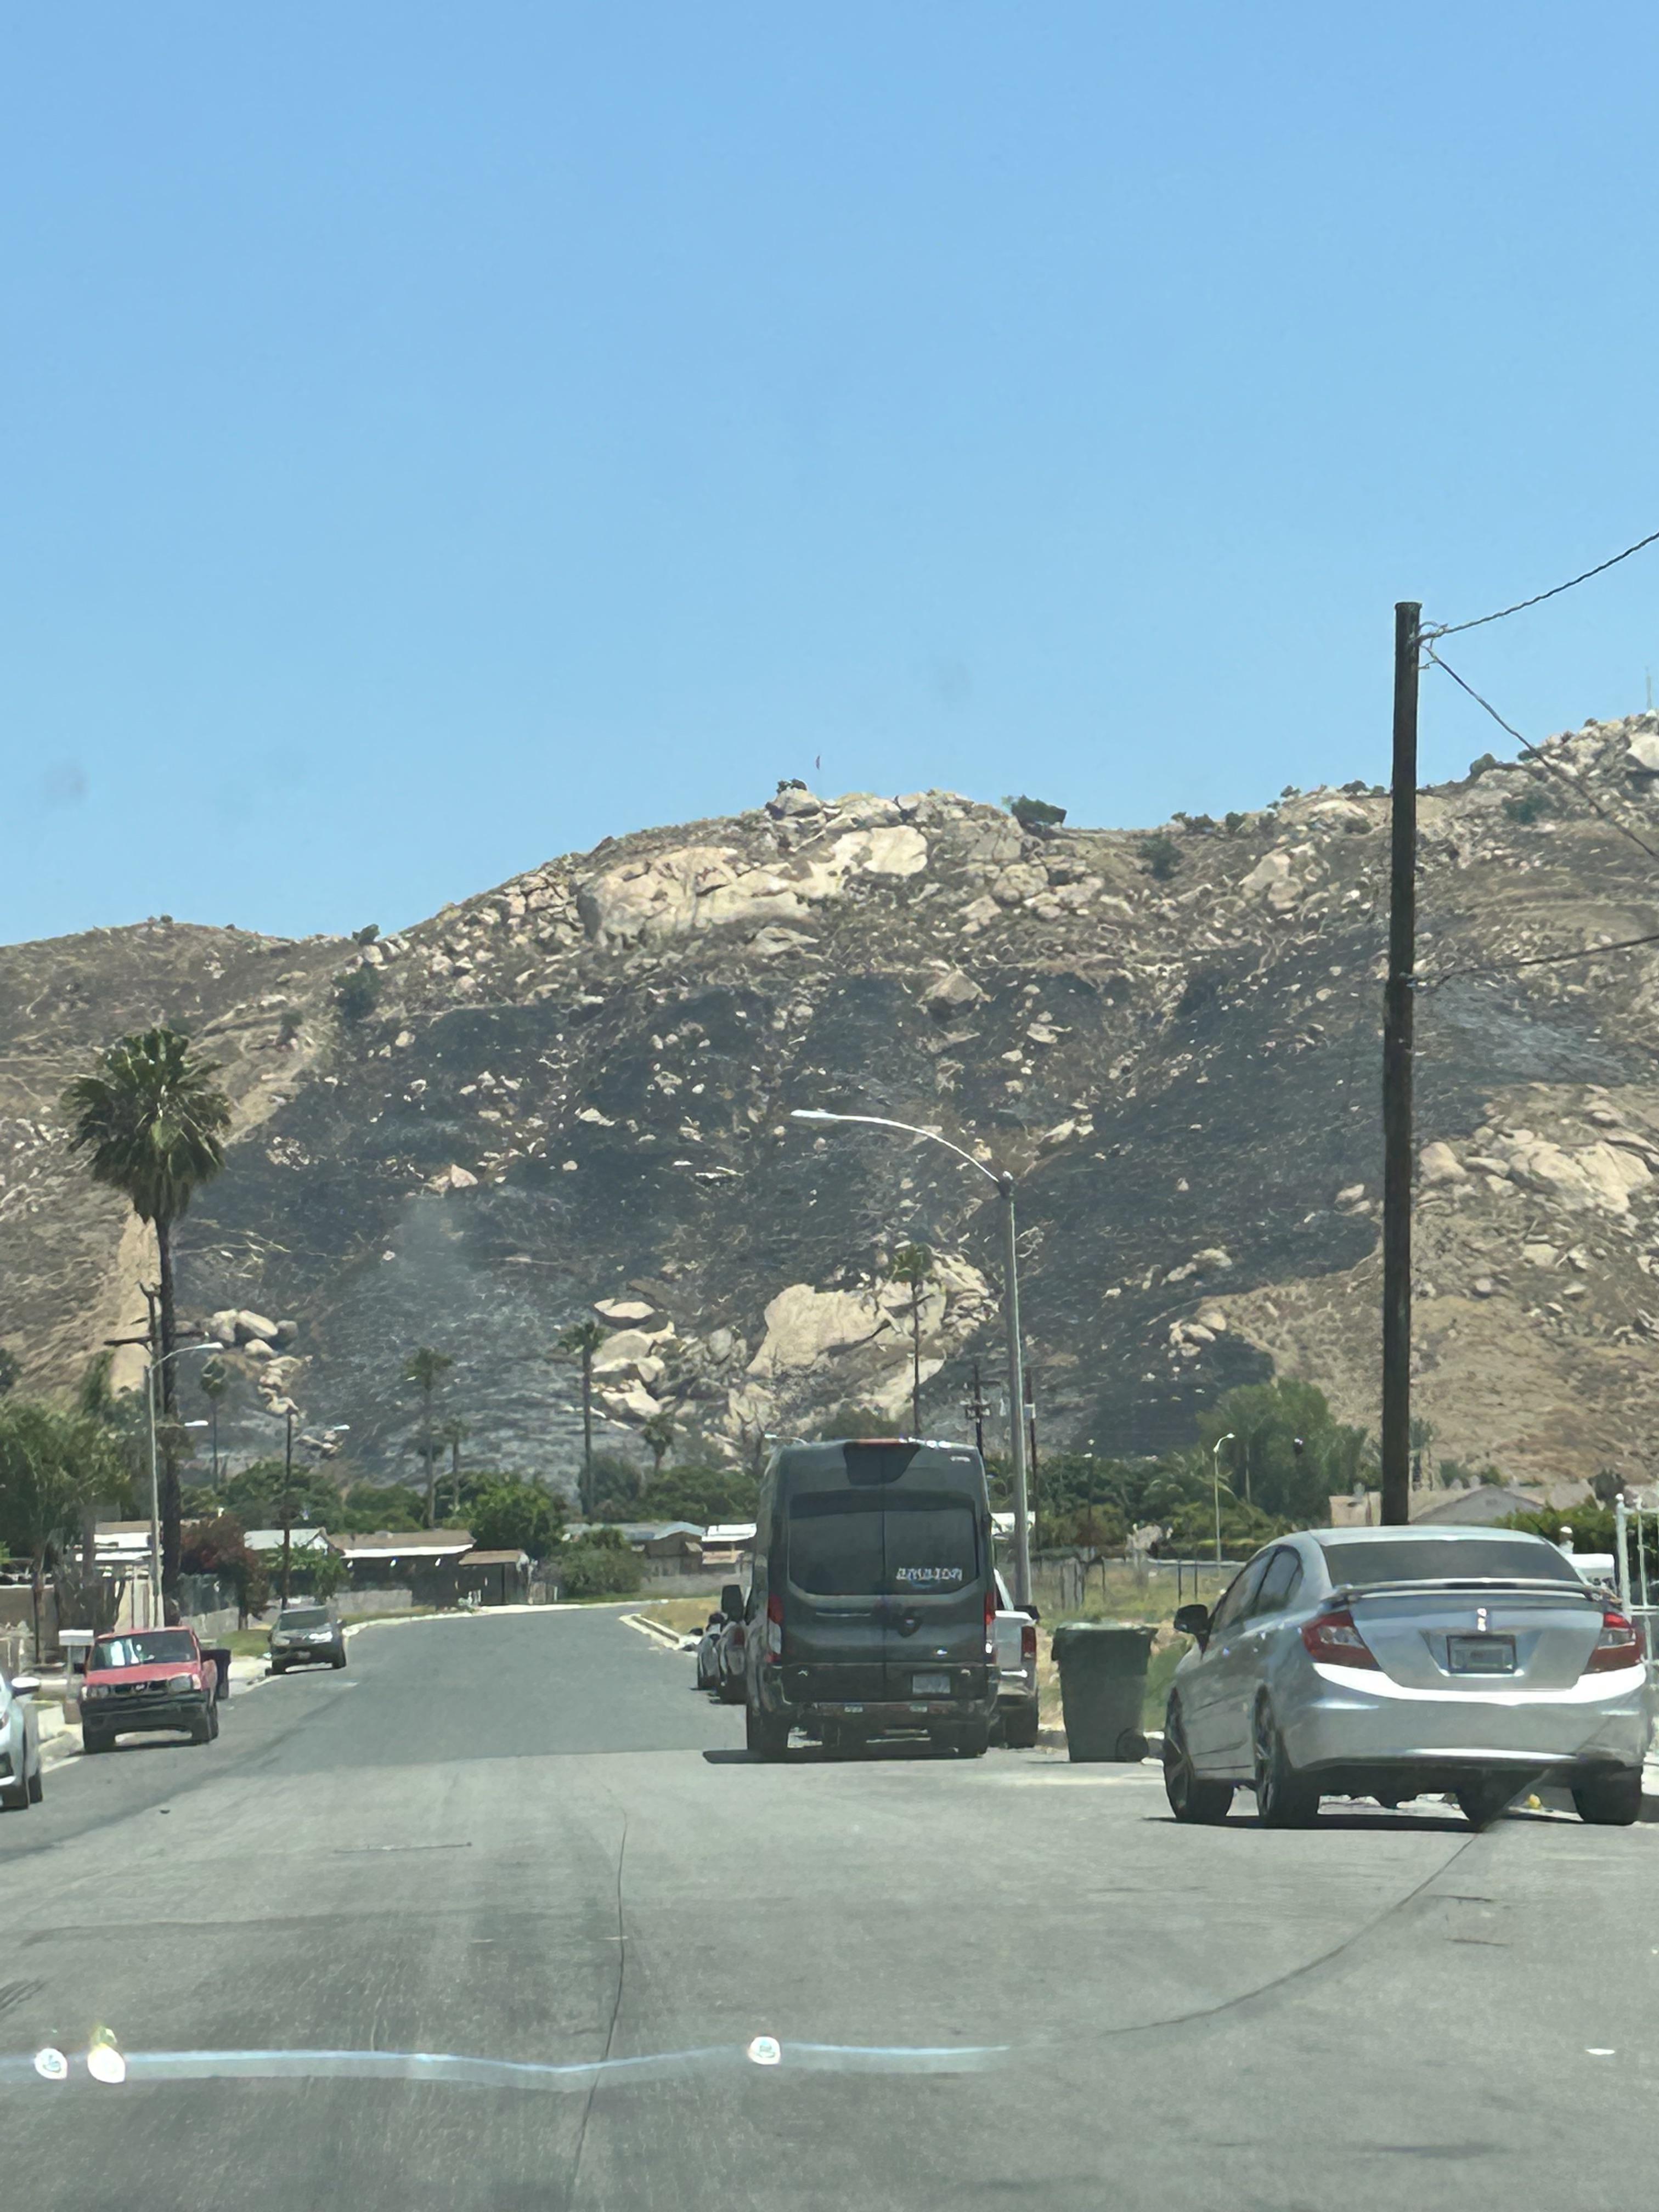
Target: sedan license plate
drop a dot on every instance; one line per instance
(1480, 1655)
(930, 1685)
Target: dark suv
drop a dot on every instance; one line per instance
(305, 1635)
(873, 1602)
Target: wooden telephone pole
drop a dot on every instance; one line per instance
(1397, 1010)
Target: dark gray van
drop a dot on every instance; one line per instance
(873, 1603)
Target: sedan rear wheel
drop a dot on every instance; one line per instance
(1284, 1798)
(1611, 1801)
(1190, 1799)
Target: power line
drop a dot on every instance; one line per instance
(1451, 629)
(1434, 978)
(1541, 758)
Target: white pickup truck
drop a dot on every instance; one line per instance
(1016, 1672)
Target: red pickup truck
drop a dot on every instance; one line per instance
(148, 1679)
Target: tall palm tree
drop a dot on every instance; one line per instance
(215, 1380)
(454, 1433)
(153, 1122)
(580, 1341)
(912, 1264)
(426, 1369)
(53, 1468)
(658, 1433)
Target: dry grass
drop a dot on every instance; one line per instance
(681, 1614)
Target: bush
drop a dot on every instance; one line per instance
(592, 1568)
(218, 1547)
(1235, 821)
(356, 995)
(366, 935)
(1530, 806)
(1161, 855)
(851, 1420)
(1034, 814)
(511, 1515)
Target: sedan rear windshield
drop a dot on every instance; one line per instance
(155, 1646)
(858, 1543)
(1457, 1558)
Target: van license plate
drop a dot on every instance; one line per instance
(1480, 1655)
(930, 1685)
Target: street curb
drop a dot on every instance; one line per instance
(670, 1636)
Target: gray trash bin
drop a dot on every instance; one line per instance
(1103, 1682)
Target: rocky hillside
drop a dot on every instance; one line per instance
(572, 1092)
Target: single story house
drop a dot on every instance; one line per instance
(500, 1578)
(424, 1561)
(728, 1544)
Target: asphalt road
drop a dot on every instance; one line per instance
(525, 1839)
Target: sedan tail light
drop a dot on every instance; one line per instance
(1620, 1644)
(1331, 1637)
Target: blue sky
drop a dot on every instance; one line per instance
(437, 438)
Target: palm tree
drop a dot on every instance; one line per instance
(912, 1264)
(580, 1341)
(658, 1433)
(215, 1379)
(426, 1369)
(454, 1433)
(153, 1124)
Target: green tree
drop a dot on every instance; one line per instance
(1034, 813)
(426, 1369)
(658, 1433)
(580, 1342)
(703, 1495)
(850, 1421)
(218, 1546)
(253, 1496)
(152, 1123)
(1289, 1455)
(514, 1515)
(356, 995)
(615, 1486)
(912, 1264)
(54, 1469)
(368, 1506)
(215, 1380)
(1160, 854)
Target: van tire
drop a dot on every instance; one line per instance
(1020, 1728)
(766, 1735)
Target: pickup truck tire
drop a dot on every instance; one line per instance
(37, 1787)
(201, 1728)
(340, 1660)
(1019, 1728)
(94, 1740)
(213, 1720)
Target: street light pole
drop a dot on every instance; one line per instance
(177, 1353)
(1004, 1186)
(1215, 1469)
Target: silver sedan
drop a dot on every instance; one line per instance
(19, 1744)
(1392, 1662)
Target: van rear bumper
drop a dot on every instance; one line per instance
(810, 1695)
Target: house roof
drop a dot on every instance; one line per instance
(730, 1532)
(304, 1539)
(404, 1544)
(496, 1559)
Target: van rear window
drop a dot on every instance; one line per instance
(865, 1545)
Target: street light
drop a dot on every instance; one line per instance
(211, 1343)
(1004, 1186)
(1215, 1469)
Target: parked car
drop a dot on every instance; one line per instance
(730, 1671)
(1393, 1663)
(146, 1680)
(1016, 1721)
(19, 1744)
(708, 1648)
(873, 1607)
(305, 1635)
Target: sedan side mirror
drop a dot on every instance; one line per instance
(25, 1686)
(731, 1600)
(1193, 1621)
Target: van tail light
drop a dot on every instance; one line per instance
(1332, 1639)
(1620, 1644)
(1028, 1642)
(772, 1650)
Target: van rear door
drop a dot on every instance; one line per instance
(835, 1611)
(936, 1579)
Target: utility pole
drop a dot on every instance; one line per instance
(1005, 1183)
(976, 1410)
(1397, 1012)
(1031, 1459)
(288, 1503)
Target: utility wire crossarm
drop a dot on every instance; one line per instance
(820, 1117)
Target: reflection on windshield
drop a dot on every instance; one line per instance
(154, 1648)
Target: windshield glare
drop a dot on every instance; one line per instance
(153, 1648)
